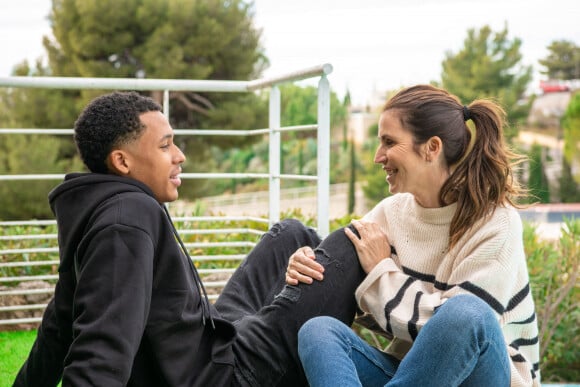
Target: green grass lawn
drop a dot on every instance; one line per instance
(14, 348)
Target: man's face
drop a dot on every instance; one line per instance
(154, 159)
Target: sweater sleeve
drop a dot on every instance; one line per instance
(111, 306)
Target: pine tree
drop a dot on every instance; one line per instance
(489, 66)
(563, 61)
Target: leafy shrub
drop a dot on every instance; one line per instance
(555, 281)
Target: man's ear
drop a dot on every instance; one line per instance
(117, 162)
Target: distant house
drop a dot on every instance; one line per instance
(549, 107)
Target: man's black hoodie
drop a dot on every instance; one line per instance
(128, 309)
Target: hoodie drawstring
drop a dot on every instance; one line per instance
(205, 309)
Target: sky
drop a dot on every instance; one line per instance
(373, 45)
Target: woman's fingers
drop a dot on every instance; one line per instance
(372, 246)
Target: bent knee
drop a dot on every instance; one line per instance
(322, 327)
(467, 310)
(295, 232)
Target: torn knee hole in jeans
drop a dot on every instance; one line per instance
(324, 259)
(275, 230)
(291, 293)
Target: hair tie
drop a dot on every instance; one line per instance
(466, 113)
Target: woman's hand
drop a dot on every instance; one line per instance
(302, 267)
(373, 245)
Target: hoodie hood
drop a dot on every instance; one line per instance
(75, 200)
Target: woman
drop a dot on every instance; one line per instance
(444, 257)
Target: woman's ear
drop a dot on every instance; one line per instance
(117, 162)
(434, 148)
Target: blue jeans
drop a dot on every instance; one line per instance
(461, 345)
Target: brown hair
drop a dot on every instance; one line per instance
(482, 172)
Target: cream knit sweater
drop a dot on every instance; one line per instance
(488, 262)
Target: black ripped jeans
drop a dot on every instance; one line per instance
(268, 314)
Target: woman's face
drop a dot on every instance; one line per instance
(413, 169)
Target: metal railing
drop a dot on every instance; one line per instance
(40, 255)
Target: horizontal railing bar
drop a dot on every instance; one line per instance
(314, 71)
(189, 132)
(46, 277)
(217, 218)
(298, 177)
(47, 176)
(82, 83)
(297, 128)
(27, 237)
(221, 231)
(221, 132)
(219, 244)
(29, 263)
(36, 131)
(206, 258)
(23, 292)
(203, 85)
(45, 250)
(17, 321)
(212, 271)
(50, 222)
(22, 307)
(31, 250)
(200, 258)
(214, 284)
(27, 223)
(201, 175)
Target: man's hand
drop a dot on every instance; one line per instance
(302, 267)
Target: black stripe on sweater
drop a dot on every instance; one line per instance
(420, 276)
(393, 303)
(521, 342)
(526, 321)
(518, 358)
(485, 296)
(518, 298)
(427, 278)
(412, 324)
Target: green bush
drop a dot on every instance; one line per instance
(554, 276)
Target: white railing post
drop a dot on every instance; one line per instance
(323, 164)
(275, 154)
(166, 103)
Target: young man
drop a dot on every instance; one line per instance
(129, 306)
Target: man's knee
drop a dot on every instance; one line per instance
(294, 231)
(338, 249)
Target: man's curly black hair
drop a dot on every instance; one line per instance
(107, 122)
